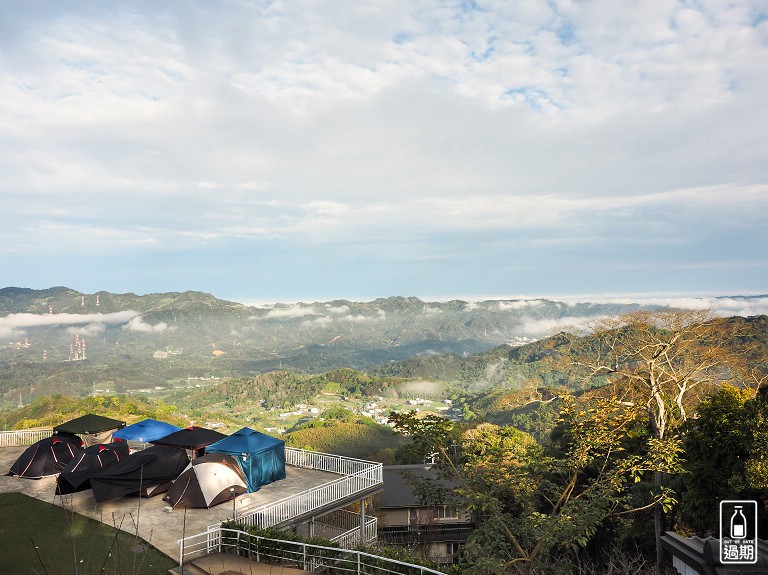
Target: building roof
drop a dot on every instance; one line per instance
(400, 492)
(703, 555)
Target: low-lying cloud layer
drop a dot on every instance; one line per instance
(138, 325)
(725, 307)
(14, 324)
(525, 313)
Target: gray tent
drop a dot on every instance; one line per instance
(208, 480)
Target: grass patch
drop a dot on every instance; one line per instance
(24, 519)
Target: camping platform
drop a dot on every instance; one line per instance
(157, 525)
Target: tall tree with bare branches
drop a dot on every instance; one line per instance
(663, 361)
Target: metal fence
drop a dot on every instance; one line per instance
(357, 477)
(315, 558)
(338, 464)
(23, 437)
(348, 525)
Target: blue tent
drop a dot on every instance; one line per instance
(261, 457)
(145, 431)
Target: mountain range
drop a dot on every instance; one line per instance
(65, 341)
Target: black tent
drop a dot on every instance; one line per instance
(76, 475)
(194, 438)
(146, 473)
(207, 481)
(46, 457)
(93, 428)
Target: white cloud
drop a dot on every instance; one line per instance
(339, 309)
(318, 321)
(87, 330)
(14, 324)
(725, 306)
(516, 305)
(429, 310)
(23, 320)
(741, 306)
(291, 311)
(138, 325)
(360, 318)
(281, 134)
(538, 328)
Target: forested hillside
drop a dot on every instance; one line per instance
(61, 340)
(48, 411)
(669, 420)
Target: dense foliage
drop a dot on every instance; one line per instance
(616, 459)
(342, 432)
(726, 450)
(52, 410)
(536, 504)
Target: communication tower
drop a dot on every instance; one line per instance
(77, 349)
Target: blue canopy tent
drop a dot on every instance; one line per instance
(261, 457)
(145, 431)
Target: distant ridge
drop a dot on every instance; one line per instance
(158, 341)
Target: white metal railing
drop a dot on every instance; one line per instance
(349, 522)
(342, 527)
(23, 437)
(338, 464)
(358, 476)
(292, 553)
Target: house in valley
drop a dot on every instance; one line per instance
(406, 518)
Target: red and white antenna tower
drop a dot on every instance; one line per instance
(50, 309)
(97, 300)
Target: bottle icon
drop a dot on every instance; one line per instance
(738, 524)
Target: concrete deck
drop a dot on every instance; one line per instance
(160, 528)
(227, 564)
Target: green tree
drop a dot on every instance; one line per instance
(725, 447)
(661, 361)
(534, 503)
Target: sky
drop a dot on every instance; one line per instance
(317, 150)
